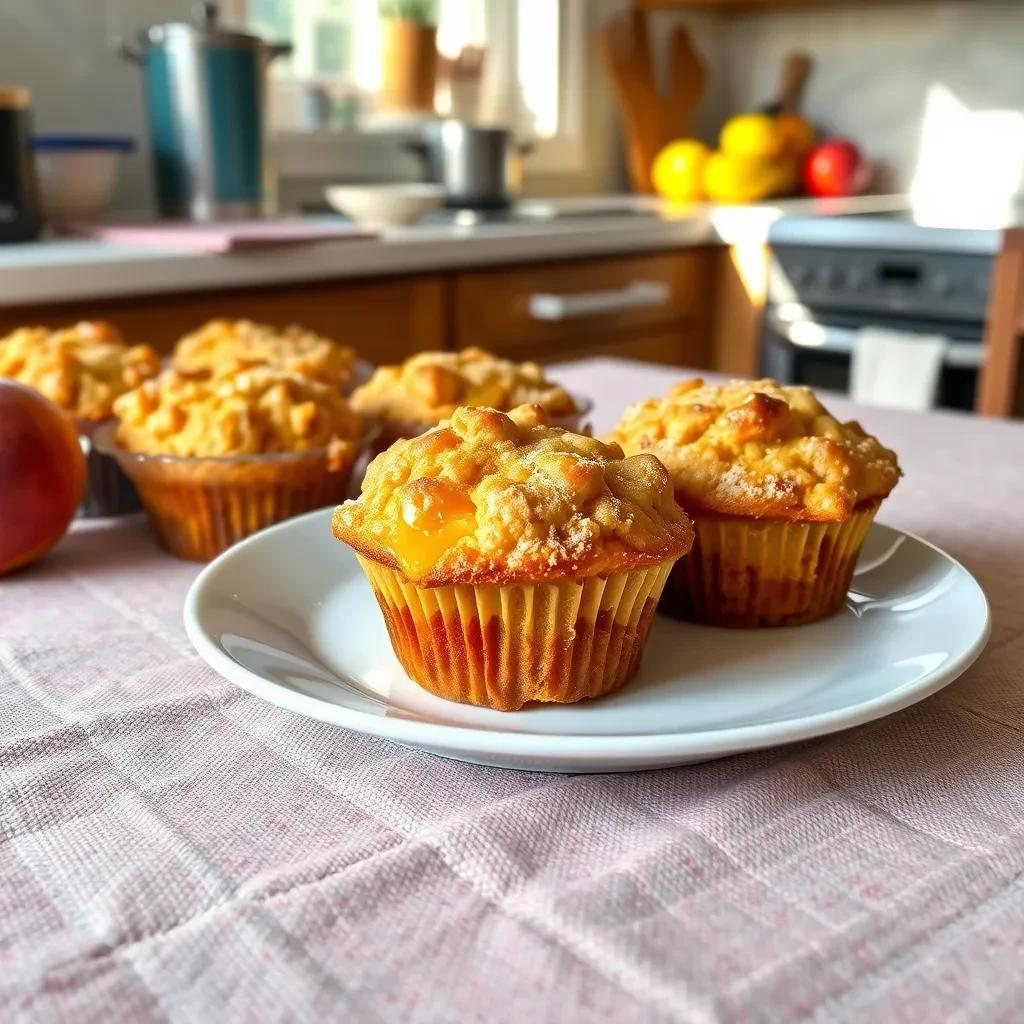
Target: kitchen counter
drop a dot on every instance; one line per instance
(66, 269)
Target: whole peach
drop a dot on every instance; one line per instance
(42, 474)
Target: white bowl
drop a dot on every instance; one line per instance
(379, 207)
(77, 175)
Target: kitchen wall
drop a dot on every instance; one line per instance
(64, 51)
(887, 74)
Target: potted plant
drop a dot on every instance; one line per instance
(408, 54)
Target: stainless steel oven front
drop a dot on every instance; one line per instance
(819, 298)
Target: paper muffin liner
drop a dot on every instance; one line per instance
(108, 492)
(766, 572)
(504, 646)
(200, 506)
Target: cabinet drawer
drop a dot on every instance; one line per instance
(385, 320)
(674, 347)
(544, 307)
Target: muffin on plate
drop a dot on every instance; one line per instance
(781, 493)
(82, 369)
(514, 561)
(216, 460)
(416, 395)
(222, 348)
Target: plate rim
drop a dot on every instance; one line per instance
(603, 748)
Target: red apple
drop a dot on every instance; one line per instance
(836, 167)
(42, 474)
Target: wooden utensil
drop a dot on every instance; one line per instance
(650, 119)
(796, 70)
(687, 79)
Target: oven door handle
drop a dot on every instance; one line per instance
(823, 338)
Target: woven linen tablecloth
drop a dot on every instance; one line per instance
(172, 848)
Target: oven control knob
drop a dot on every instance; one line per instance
(798, 274)
(855, 279)
(827, 276)
(941, 284)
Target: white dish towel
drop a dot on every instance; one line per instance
(897, 368)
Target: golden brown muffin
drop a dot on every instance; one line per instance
(222, 348)
(260, 410)
(514, 561)
(82, 368)
(429, 386)
(756, 448)
(746, 459)
(216, 460)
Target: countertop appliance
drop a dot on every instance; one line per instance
(830, 277)
(19, 198)
(205, 102)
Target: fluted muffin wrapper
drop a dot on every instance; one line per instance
(199, 507)
(766, 572)
(504, 646)
(108, 492)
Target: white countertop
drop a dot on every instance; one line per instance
(65, 269)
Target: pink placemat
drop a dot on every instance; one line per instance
(222, 236)
(172, 848)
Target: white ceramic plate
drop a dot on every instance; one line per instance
(288, 615)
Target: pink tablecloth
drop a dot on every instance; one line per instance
(173, 848)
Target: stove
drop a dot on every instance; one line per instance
(831, 277)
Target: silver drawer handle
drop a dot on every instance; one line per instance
(808, 334)
(637, 295)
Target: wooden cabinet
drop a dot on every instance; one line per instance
(657, 306)
(385, 319)
(653, 304)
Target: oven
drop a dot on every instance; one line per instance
(820, 296)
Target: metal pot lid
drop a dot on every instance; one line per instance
(204, 28)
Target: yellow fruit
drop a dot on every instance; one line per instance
(740, 179)
(797, 133)
(752, 135)
(678, 170)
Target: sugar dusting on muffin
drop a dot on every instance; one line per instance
(490, 496)
(756, 448)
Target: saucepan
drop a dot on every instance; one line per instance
(480, 167)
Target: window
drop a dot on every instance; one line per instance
(532, 65)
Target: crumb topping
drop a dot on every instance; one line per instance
(496, 497)
(81, 368)
(257, 411)
(222, 348)
(756, 448)
(429, 386)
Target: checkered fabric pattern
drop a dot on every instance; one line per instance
(172, 848)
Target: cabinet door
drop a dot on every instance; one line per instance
(550, 309)
(383, 319)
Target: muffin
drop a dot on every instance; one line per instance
(513, 561)
(83, 369)
(222, 348)
(781, 493)
(428, 387)
(216, 460)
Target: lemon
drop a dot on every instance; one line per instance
(678, 170)
(752, 135)
(740, 179)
